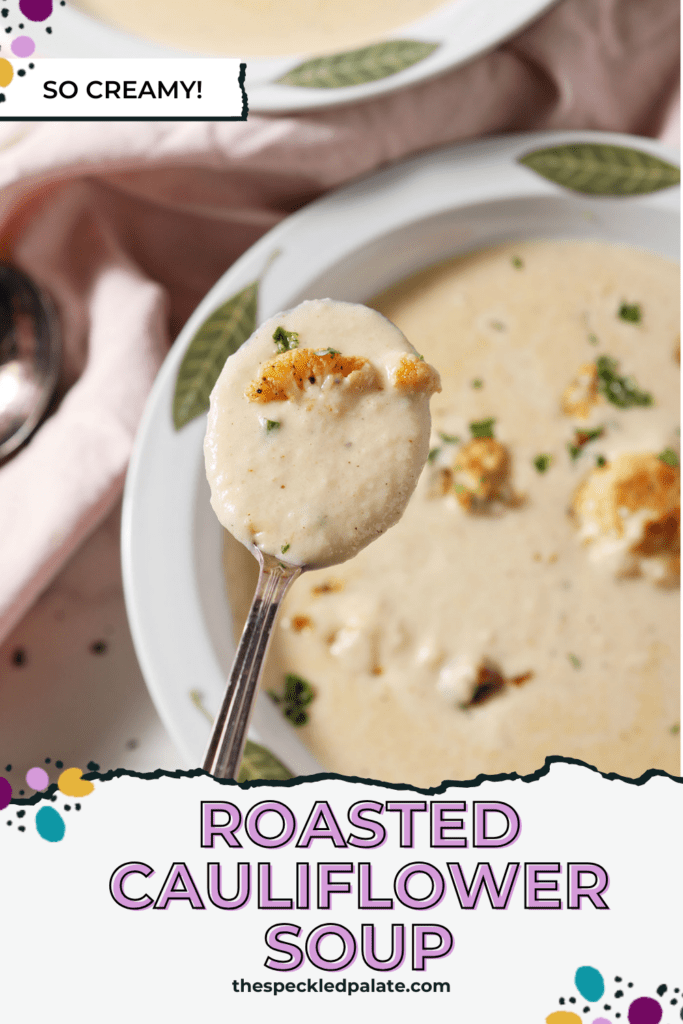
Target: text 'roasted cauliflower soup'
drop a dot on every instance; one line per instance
(526, 603)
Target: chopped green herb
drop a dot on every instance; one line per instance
(620, 391)
(284, 549)
(581, 438)
(517, 262)
(285, 340)
(421, 358)
(576, 662)
(498, 325)
(327, 352)
(484, 428)
(670, 457)
(433, 452)
(542, 462)
(449, 438)
(631, 312)
(601, 461)
(477, 382)
(272, 425)
(675, 729)
(298, 694)
(593, 339)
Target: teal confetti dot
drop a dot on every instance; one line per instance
(50, 824)
(590, 983)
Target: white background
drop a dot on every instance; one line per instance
(98, 961)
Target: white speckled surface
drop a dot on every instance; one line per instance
(71, 701)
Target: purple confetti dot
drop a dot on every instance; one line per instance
(36, 10)
(23, 46)
(601, 1020)
(37, 778)
(5, 792)
(645, 1011)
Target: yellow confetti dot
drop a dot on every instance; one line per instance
(6, 72)
(71, 784)
(563, 1017)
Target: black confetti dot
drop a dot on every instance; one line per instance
(586, 1009)
(98, 647)
(8, 29)
(8, 767)
(93, 766)
(674, 1002)
(21, 792)
(54, 799)
(21, 814)
(49, 31)
(9, 822)
(47, 760)
(661, 990)
(618, 994)
(5, 12)
(31, 66)
(607, 1006)
(617, 979)
(78, 807)
(19, 655)
(67, 807)
(630, 984)
(21, 26)
(59, 764)
(22, 828)
(561, 1001)
(2, 97)
(571, 999)
(21, 73)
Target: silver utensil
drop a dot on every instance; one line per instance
(29, 357)
(226, 745)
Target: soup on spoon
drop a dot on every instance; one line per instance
(317, 434)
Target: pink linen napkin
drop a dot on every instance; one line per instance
(127, 225)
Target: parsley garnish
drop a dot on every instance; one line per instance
(581, 438)
(449, 438)
(284, 549)
(327, 352)
(542, 462)
(670, 457)
(272, 425)
(433, 452)
(484, 428)
(576, 662)
(285, 340)
(517, 262)
(631, 312)
(477, 382)
(620, 391)
(593, 339)
(498, 325)
(298, 694)
(601, 461)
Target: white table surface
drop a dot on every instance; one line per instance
(71, 689)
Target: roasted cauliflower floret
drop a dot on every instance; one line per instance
(628, 513)
(413, 374)
(287, 375)
(579, 397)
(481, 474)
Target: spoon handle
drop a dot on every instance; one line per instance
(226, 745)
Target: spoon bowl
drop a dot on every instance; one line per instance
(29, 357)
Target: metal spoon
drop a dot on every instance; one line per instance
(29, 357)
(226, 745)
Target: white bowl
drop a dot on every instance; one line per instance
(349, 245)
(462, 28)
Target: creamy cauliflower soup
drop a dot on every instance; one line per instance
(243, 28)
(317, 433)
(526, 604)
